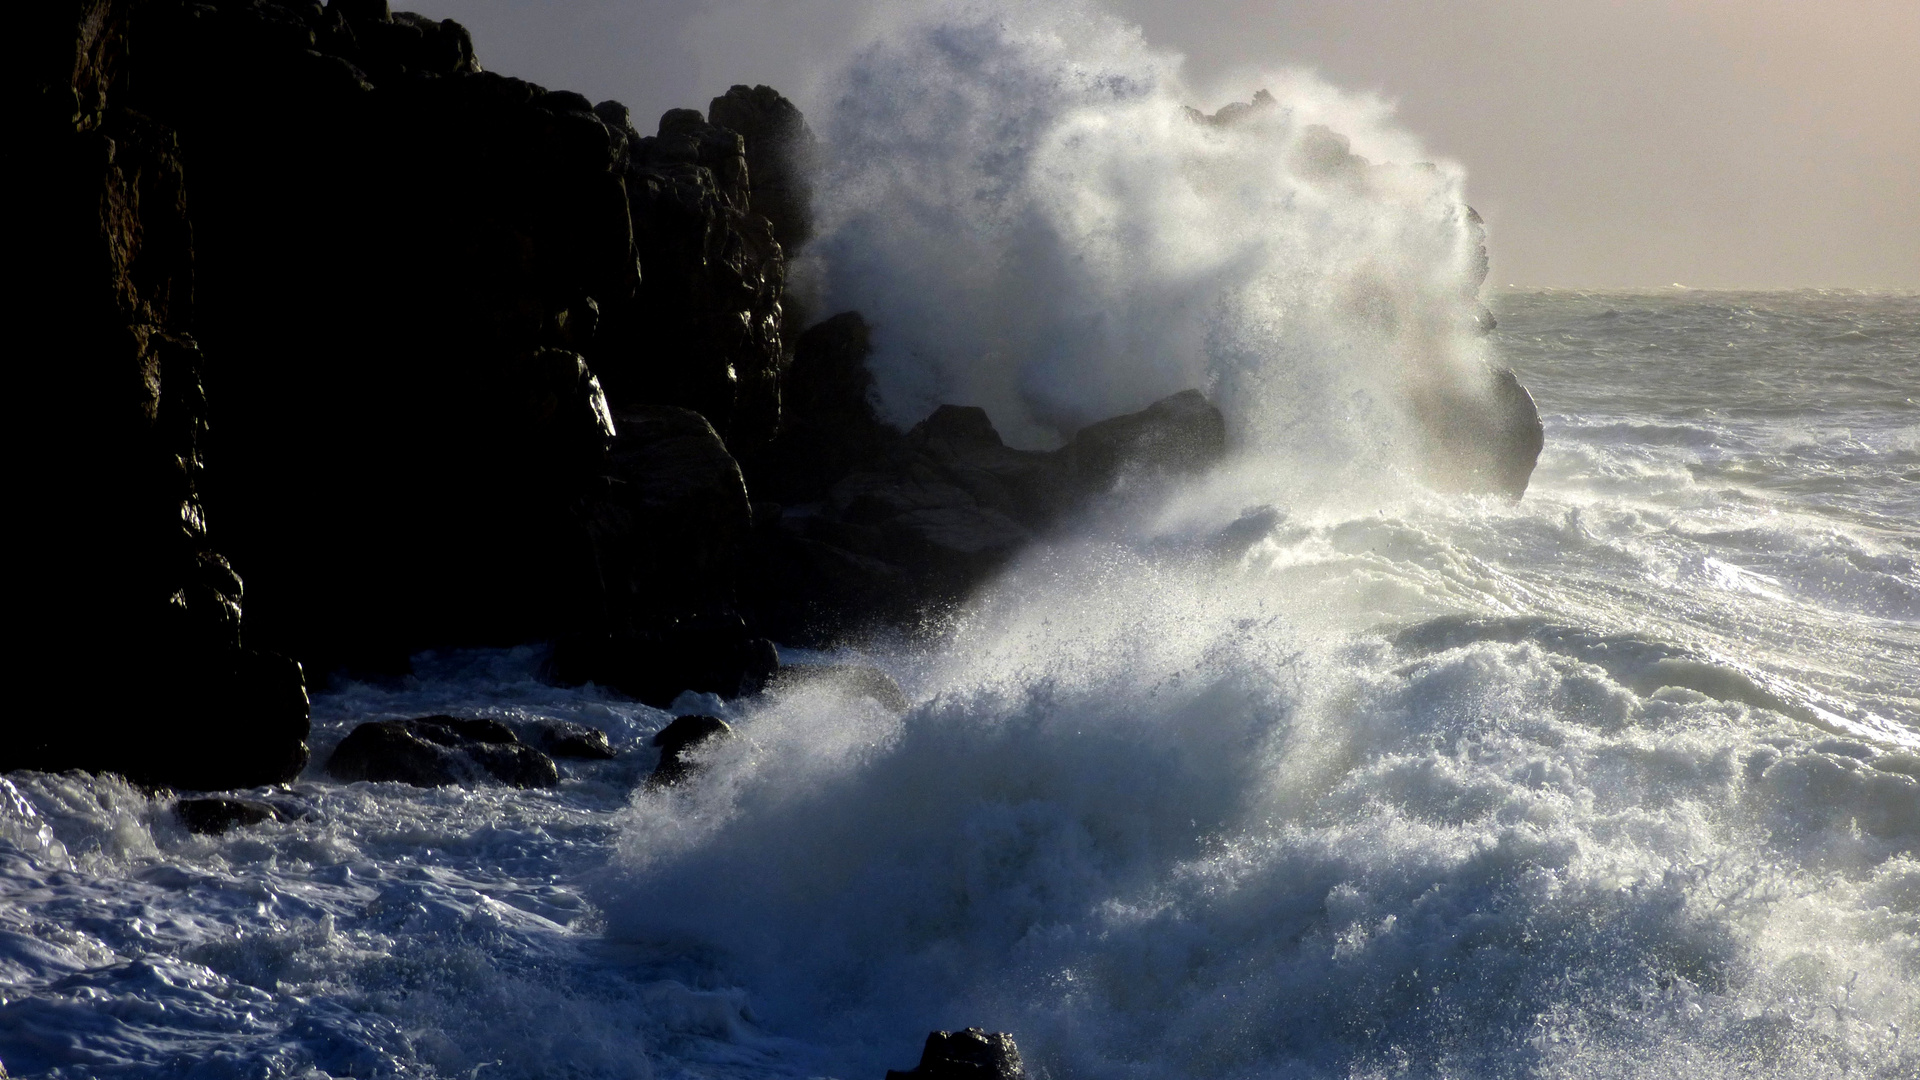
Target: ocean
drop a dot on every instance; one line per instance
(1299, 769)
(1619, 780)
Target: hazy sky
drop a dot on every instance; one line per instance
(1609, 143)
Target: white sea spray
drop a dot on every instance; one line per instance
(1300, 772)
(1022, 202)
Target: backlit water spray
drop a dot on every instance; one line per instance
(1306, 768)
(1300, 771)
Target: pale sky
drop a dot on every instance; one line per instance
(1609, 143)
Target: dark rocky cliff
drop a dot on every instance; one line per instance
(128, 617)
(433, 357)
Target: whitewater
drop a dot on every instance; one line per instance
(1310, 767)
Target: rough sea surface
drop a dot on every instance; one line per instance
(1621, 780)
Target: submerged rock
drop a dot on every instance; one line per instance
(215, 816)
(973, 1054)
(677, 739)
(435, 751)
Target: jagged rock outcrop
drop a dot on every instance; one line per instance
(411, 275)
(400, 258)
(129, 615)
(973, 1054)
(703, 329)
(863, 523)
(781, 157)
(423, 298)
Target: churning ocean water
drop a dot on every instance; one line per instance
(1620, 780)
(1301, 770)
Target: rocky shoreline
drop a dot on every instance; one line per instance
(432, 357)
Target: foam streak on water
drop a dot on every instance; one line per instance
(1296, 771)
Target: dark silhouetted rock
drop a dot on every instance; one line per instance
(1182, 434)
(829, 426)
(401, 262)
(780, 152)
(704, 328)
(214, 816)
(972, 1054)
(128, 594)
(665, 527)
(565, 739)
(433, 751)
(386, 751)
(679, 738)
(875, 526)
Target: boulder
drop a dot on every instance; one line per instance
(212, 817)
(972, 1054)
(434, 751)
(677, 740)
(1178, 435)
(565, 739)
(665, 526)
(1482, 439)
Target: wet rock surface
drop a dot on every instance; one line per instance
(865, 523)
(681, 738)
(436, 751)
(972, 1054)
(564, 739)
(129, 595)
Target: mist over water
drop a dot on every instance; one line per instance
(1300, 770)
